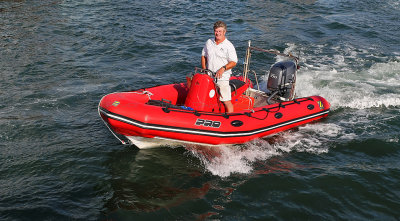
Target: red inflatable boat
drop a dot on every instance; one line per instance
(191, 112)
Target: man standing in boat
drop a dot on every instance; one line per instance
(219, 56)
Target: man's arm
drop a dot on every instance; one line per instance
(228, 66)
(203, 62)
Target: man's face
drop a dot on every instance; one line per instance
(219, 33)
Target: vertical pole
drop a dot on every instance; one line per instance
(246, 64)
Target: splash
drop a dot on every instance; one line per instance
(224, 161)
(238, 159)
(376, 87)
(347, 78)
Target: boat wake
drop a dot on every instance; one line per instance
(225, 161)
(348, 85)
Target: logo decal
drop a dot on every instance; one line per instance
(274, 76)
(320, 104)
(208, 123)
(116, 103)
(212, 93)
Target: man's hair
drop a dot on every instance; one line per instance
(219, 24)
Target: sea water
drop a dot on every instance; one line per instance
(60, 162)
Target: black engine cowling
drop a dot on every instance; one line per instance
(282, 79)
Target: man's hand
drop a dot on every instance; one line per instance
(220, 72)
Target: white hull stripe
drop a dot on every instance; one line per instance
(206, 132)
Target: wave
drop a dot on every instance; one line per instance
(225, 161)
(375, 87)
(349, 77)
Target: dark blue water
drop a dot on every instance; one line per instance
(60, 162)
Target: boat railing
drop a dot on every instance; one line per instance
(246, 63)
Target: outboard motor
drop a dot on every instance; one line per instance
(281, 80)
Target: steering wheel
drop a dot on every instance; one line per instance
(209, 72)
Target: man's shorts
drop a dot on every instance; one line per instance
(224, 90)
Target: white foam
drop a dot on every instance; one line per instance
(232, 159)
(224, 161)
(376, 86)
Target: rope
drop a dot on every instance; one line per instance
(249, 114)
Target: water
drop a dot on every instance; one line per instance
(60, 162)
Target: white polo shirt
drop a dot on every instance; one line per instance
(219, 55)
